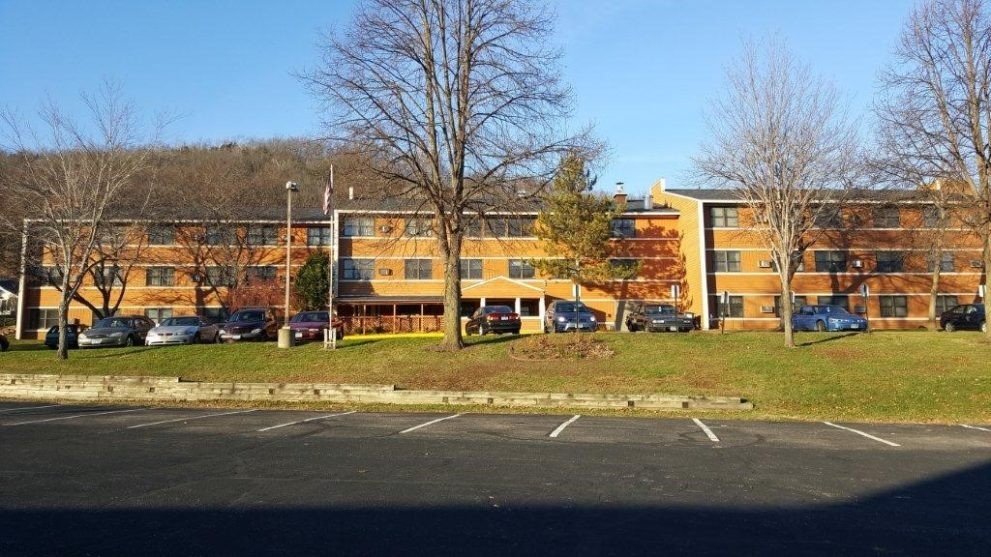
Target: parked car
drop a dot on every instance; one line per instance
(826, 318)
(187, 329)
(966, 316)
(250, 324)
(310, 325)
(563, 315)
(71, 336)
(493, 319)
(127, 330)
(659, 317)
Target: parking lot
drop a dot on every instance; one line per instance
(145, 480)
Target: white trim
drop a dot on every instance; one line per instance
(503, 279)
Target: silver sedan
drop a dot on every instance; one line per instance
(183, 330)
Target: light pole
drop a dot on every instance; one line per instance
(285, 335)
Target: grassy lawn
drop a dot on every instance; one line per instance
(891, 376)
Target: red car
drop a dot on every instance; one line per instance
(310, 325)
(494, 319)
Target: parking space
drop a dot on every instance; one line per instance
(715, 433)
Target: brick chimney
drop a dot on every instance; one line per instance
(619, 198)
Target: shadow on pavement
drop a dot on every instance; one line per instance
(947, 515)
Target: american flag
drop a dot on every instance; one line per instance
(328, 194)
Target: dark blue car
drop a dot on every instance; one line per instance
(826, 318)
(71, 336)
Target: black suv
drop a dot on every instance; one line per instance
(966, 316)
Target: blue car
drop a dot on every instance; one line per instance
(71, 336)
(826, 318)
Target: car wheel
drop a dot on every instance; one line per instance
(516, 331)
(820, 326)
(984, 326)
(216, 338)
(631, 327)
(129, 341)
(339, 333)
(949, 327)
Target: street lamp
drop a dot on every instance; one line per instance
(285, 338)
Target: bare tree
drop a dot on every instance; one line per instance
(70, 178)
(457, 100)
(936, 108)
(781, 142)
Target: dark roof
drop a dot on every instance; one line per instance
(10, 285)
(879, 195)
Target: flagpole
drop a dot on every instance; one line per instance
(333, 256)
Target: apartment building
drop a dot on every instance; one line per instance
(389, 275)
(880, 239)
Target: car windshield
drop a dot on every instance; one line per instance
(661, 310)
(838, 310)
(247, 316)
(311, 316)
(181, 322)
(571, 307)
(498, 309)
(111, 323)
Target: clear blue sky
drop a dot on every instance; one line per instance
(642, 70)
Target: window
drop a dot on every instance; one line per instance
(256, 275)
(359, 226)
(799, 302)
(529, 307)
(733, 309)
(828, 217)
(160, 276)
(216, 314)
(945, 303)
(45, 276)
(472, 227)
(726, 261)
(520, 227)
(841, 300)
(930, 217)
(894, 306)
(890, 261)
(158, 314)
(262, 235)
(623, 228)
(886, 217)
(626, 264)
(520, 269)
(357, 269)
(161, 235)
(724, 217)
(419, 227)
(218, 235)
(107, 277)
(830, 261)
(40, 318)
(318, 236)
(471, 268)
(221, 276)
(945, 263)
(418, 269)
(495, 228)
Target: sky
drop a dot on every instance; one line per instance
(642, 71)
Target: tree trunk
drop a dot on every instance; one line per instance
(987, 267)
(934, 293)
(63, 318)
(786, 311)
(450, 246)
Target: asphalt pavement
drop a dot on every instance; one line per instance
(102, 480)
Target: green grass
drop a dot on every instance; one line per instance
(889, 376)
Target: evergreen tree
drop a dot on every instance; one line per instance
(313, 283)
(576, 229)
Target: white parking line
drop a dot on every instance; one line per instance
(189, 419)
(975, 427)
(561, 427)
(414, 428)
(705, 429)
(270, 428)
(4, 411)
(867, 435)
(77, 416)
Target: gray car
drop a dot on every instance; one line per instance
(128, 330)
(563, 315)
(187, 329)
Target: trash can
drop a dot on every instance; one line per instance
(285, 337)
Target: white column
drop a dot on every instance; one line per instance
(518, 306)
(542, 305)
(481, 302)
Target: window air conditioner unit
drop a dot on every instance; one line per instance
(857, 264)
(765, 263)
(976, 263)
(385, 272)
(767, 309)
(385, 229)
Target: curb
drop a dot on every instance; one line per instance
(173, 389)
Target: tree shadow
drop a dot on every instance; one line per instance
(827, 339)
